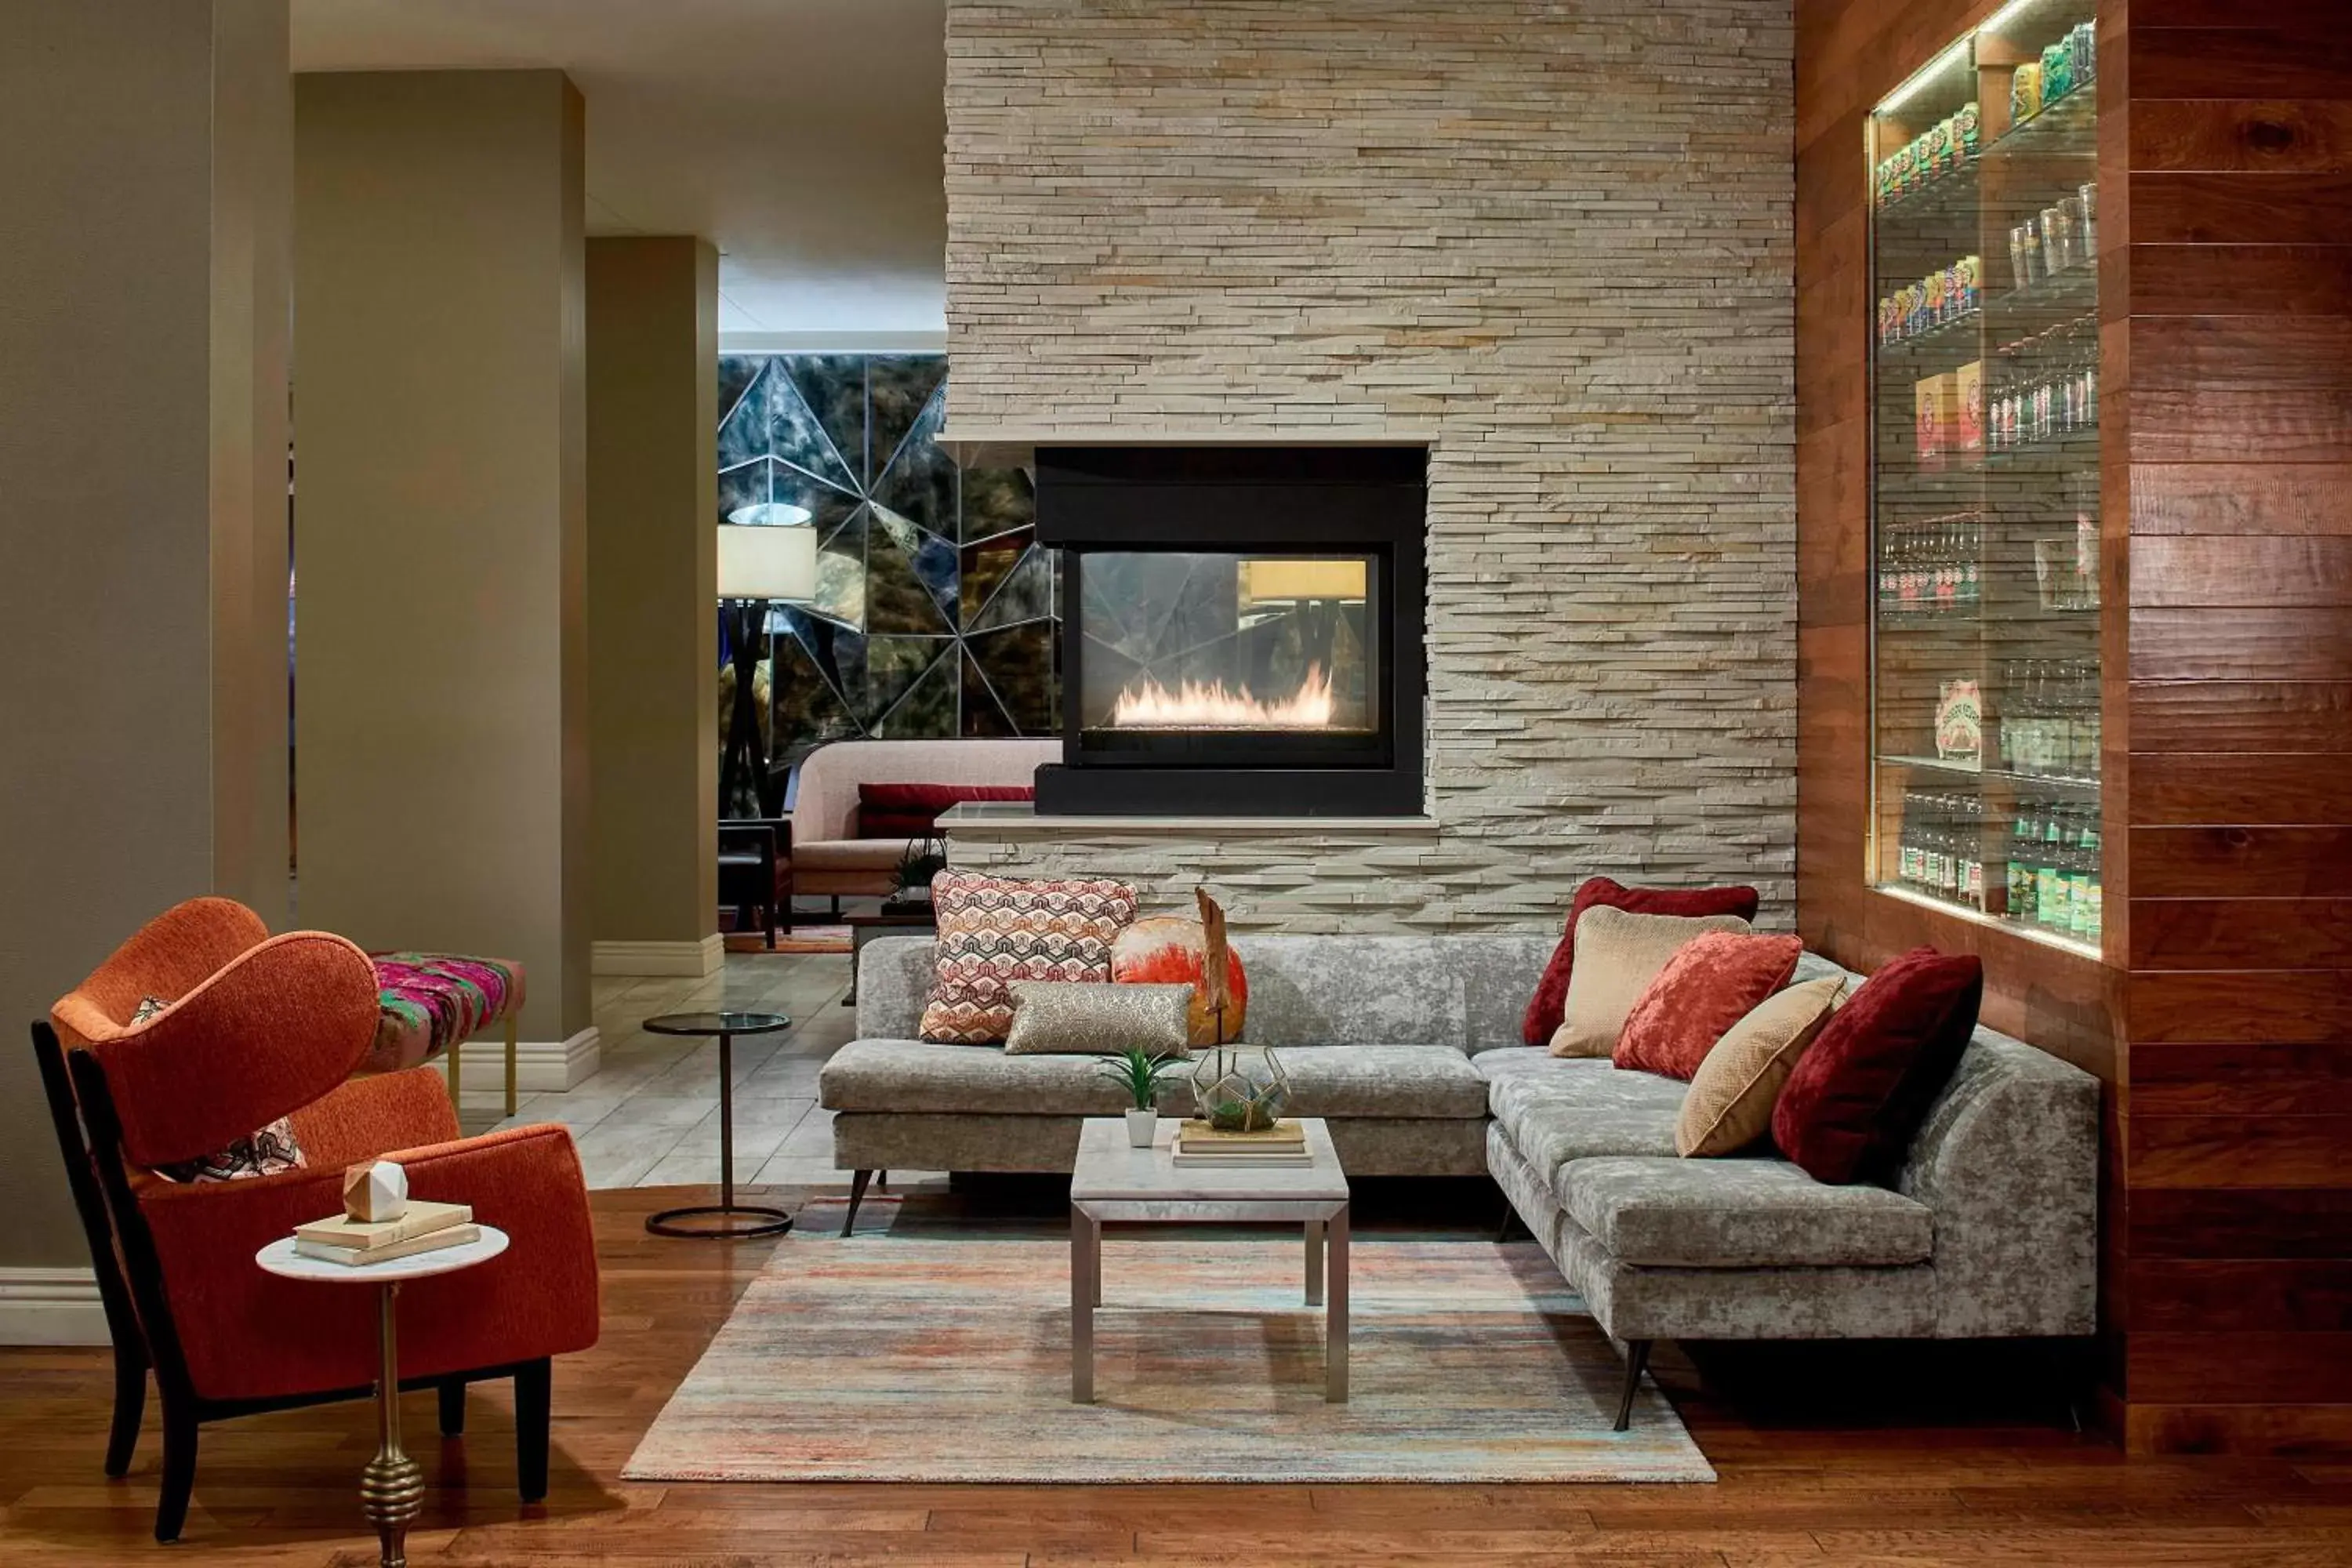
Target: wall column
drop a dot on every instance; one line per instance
(652, 682)
(144, 212)
(439, 357)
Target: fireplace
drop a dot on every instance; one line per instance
(1241, 629)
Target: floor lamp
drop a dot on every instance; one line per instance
(767, 555)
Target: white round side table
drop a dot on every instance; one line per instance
(392, 1487)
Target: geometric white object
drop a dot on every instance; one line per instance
(377, 1190)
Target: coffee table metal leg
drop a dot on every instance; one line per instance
(1086, 1270)
(392, 1487)
(1314, 1262)
(1335, 1329)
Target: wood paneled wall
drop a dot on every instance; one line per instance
(2222, 1016)
(2237, 1071)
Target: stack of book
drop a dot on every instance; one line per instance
(1284, 1144)
(422, 1226)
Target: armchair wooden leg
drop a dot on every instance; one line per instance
(453, 1408)
(514, 1023)
(1637, 1357)
(532, 1414)
(179, 1471)
(130, 1408)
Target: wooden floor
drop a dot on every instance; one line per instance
(1983, 1472)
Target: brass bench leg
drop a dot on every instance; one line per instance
(456, 1103)
(512, 1024)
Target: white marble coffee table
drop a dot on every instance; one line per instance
(1113, 1180)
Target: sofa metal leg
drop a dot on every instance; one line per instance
(534, 1399)
(1511, 1226)
(881, 1181)
(129, 1409)
(179, 1472)
(453, 1408)
(1637, 1359)
(857, 1180)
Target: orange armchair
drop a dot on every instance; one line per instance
(256, 1028)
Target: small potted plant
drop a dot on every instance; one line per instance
(1136, 1073)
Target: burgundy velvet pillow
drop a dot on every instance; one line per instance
(1552, 992)
(1857, 1097)
(1710, 984)
(912, 810)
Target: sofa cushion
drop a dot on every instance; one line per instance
(1543, 1010)
(1731, 1097)
(1617, 956)
(1396, 1082)
(993, 930)
(1859, 1093)
(850, 855)
(1705, 988)
(904, 811)
(1740, 1214)
(1557, 1109)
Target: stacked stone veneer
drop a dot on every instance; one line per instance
(1555, 237)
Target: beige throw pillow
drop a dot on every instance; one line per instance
(1618, 953)
(1097, 1017)
(1731, 1097)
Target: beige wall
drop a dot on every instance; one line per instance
(142, 535)
(1557, 237)
(439, 364)
(653, 499)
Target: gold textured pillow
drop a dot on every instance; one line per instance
(1068, 1018)
(1731, 1097)
(1618, 953)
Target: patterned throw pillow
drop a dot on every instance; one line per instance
(1169, 949)
(262, 1154)
(994, 932)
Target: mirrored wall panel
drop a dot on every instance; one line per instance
(934, 613)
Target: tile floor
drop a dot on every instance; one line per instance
(649, 1116)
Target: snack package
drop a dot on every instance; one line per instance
(1969, 406)
(2025, 93)
(1934, 400)
(1968, 125)
(2057, 72)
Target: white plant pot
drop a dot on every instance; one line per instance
(1142, 1126)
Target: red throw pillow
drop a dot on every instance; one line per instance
(1710, 984)
(1551, 990)
(912, 810)
(1858, 1096)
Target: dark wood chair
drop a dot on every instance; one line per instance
(755, 871)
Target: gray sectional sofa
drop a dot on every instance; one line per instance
(1410, 1046)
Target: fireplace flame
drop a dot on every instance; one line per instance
(1196, 705)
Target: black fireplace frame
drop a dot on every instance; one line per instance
(1305, 501)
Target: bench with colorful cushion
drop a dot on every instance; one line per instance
(430, 1004)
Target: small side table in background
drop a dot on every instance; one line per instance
(765, 1221)
(392, 1487)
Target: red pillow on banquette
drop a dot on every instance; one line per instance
(912, 810)
(1551, 990)
(1710, 984)
(1861, 1089)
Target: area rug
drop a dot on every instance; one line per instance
(800, 939)
(882, 1360)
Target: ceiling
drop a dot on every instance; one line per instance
(803, 136)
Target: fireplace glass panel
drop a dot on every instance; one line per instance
(1190, 653)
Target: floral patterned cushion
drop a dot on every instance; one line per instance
(429, 1001)
(994, 932)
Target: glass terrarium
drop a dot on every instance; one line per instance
(1239, 1088)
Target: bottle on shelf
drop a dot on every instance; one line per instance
(2024, 860)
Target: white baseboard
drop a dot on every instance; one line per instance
(51, 1307)
(689, 960)
(541, 1066)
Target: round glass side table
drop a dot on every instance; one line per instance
(392, 1487)
(762, 1221)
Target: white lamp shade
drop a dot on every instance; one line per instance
(767, 562)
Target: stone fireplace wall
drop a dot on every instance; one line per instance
(1555, 237)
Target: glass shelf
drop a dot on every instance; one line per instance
(1985, 665)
